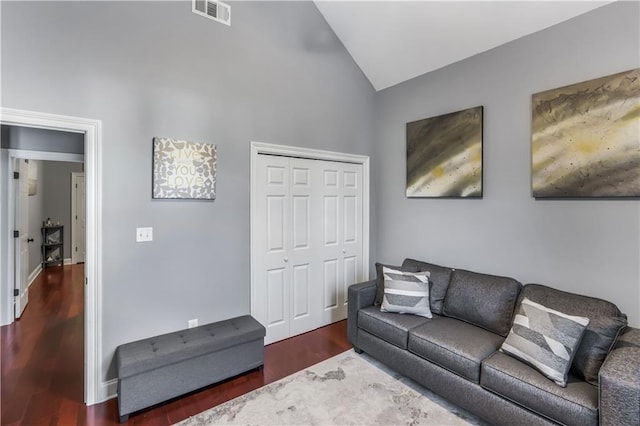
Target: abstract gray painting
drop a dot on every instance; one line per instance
(585, 138)
(444, 155)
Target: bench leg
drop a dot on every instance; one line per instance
(358, 350)
(123, 419)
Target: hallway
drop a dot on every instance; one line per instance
(43, 352)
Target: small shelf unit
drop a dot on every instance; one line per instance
(52, 246)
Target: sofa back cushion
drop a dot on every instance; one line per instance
(484, 300)
(438, 281)
(606, 322)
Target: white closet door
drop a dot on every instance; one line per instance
(309, 242)
(304, 231)
(271, 271)
(341, 236)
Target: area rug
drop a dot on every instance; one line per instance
(348, 389)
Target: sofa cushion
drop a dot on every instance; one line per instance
(606, 322)
(575, 404)
(484, 300)
(406, 292)
(545, 338)
(455, 345)
(438, 282)
(598, 340)
(390, 327)
(380, 279)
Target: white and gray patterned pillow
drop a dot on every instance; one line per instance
(406, 292)
(546, 339)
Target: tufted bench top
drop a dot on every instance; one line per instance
(147, 354)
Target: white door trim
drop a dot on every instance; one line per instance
(46, 155)
(92, 130)
(316, 154)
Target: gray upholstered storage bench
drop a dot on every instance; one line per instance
(160, 368)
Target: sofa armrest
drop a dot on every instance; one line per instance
(619, 379)
(359, 296)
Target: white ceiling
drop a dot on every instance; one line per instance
(393, 41)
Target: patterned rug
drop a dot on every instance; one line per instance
(348, 389)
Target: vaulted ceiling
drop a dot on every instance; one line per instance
(393, 41)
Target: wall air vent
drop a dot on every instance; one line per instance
(213, 9)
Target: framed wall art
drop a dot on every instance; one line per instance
(585, 139)
(444, 155)
(183, 169)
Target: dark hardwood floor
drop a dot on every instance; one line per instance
(42, 357)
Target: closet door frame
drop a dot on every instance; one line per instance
(260, 148)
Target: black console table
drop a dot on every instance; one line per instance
(52, 246)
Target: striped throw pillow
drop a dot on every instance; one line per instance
(406, 292)
(546, 339)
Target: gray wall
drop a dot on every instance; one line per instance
(33, 139)
(278, 75)
(57, 196)
(586, 246)
(5, 136)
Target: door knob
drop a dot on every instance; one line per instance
(29, 240)
(286, 259)
(344, 251)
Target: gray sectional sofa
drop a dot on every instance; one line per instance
(456, 353)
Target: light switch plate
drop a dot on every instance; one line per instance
(144, 235)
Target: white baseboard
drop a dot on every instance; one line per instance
(107, 390)
(34, 274)
(68, 261)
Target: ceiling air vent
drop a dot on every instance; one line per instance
(213, 9)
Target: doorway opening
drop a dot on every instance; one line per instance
(95, 390)
(42, 203)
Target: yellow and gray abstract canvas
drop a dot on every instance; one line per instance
(585, 138)
(444, 155)
(183, 169)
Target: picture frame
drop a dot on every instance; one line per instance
(444, 155)
(183, 169)
(585, 139)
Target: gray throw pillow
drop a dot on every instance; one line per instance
(406, 292)
(438, 282)
(597, 342)
(606, 323)
(380, 279)
(546, 339)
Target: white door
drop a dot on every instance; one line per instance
(308, 242)
(78, 218)
(21, 258)
(271, 267)
(304, 254)
(341, 245)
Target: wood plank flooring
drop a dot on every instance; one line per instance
(42, 357)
